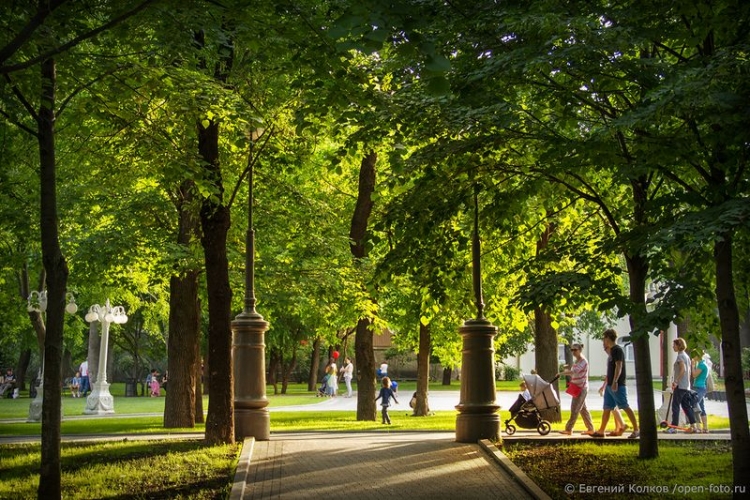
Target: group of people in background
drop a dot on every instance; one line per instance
(689, 388)
(333, 375)
(154, 384)
(80, 385)
(8, 387)
(329, 386)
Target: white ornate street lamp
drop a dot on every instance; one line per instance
(37, 302)
(100, 401)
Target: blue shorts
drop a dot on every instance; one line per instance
(617, 399)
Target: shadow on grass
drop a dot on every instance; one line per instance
(122, 469)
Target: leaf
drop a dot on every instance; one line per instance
(438, 86)
(437, 63)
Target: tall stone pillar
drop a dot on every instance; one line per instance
(251, 416)
(477, 407)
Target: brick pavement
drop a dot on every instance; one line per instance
(409, 465)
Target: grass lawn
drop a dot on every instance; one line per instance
(125, 469)
(695, 470)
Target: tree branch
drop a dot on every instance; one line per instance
(75, 41)
(44, 9)
(19, 95)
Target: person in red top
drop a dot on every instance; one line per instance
(579, 387)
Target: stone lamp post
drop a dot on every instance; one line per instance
(100, 401)
(251, 415)
(37, 301)
(477, 408)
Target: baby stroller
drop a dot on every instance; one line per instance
(526, 414)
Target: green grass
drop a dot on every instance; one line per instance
(346, 421)
(557, 468)
(125, 469)
(98, 425)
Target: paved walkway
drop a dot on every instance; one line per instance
(372, 466)
(447, 400)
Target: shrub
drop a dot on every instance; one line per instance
(510, 373)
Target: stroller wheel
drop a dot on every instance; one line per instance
(510, 429)
(544, 427)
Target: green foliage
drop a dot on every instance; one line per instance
(509, 373)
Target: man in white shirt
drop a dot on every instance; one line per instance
(85, 384)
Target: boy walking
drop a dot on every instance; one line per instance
(386, 393)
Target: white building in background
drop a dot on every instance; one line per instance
(593, 350)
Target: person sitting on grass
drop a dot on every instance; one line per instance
(9, 384)
(75, 386)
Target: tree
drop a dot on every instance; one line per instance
(42, 58)
(366, 409)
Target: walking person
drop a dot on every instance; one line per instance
(385, 396)
(154, 384)
(620, 425)
(700, 376)
(616, 392)
(85, 382)
(578, 388)
(332, 384)
(383, 370)
(348, 375)
(681, 387)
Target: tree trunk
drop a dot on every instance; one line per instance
(422, 407)
(198, 372)
(56, 269)
(732, 351)
(183, 344)
(93, 353)
(274, 360)
(287, 371)
(363, 347)
(545, 358)
(23, 365)
(184, 334)
(366, 382)
(648, 444)
(545, 340)
(67, 365)
(312, 380)
(215, 221)
(637, 273)
(447, 373)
